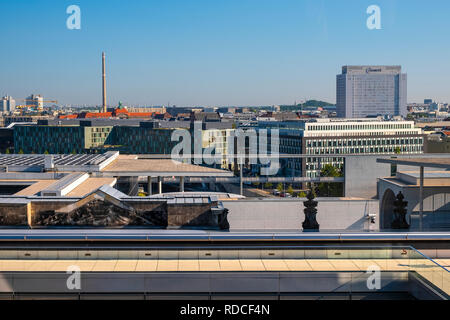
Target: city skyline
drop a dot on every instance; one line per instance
(200, 53)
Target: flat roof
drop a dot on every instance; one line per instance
(129, 166)
(432, 124)
(428, 174)
(419, 162)
(58, 159)
(35, 187)
(91, 184)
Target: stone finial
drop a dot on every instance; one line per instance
(310, 211)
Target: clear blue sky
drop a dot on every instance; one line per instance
(217, 52)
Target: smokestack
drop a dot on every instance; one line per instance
(103, 83)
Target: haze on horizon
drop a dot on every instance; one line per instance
(203, 52)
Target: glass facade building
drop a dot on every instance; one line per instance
(59, 139)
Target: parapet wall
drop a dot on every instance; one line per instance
(14, 214)
(333, 214)
(104, 211)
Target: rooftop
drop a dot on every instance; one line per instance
(443, 163)
(129, 166)
(58, 159)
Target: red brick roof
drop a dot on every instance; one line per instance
(115, 113)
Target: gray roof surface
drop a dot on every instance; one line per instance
(113, 192)
(59, 159)
(64, 182)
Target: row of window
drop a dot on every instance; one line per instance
(363, 150)
(363, 142)
(336, 127)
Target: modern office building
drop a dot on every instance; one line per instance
(335, 137)
(128, 136)
(59, 139)
(218, 140)
(143, 139)
(364, 91)
(7, 104)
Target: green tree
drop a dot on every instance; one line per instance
(290, 190)
(46, 152)
(301, 194)
(331, 189)
(280, 187)
(397, 150)
(20, 151)
(256, 183)
(7, 151)
(268, 185)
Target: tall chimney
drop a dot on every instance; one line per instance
(103, 83)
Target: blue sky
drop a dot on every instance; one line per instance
(217, 52)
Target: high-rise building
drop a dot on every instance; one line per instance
(364, 91)
(7, 104)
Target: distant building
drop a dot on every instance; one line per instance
(438, 142)
(335, 137)
(363, 91)
(205, 116)
(148, 109)
(16, 119)
(7, 104)
(35, 101)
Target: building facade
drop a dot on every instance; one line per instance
(99, 136)
(363, 91)
(35, 101)
(59, 139)
(337, 137)
(142, 140)
(7, 104)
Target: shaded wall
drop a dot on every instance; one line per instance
(13, 214)
(98, 211)
(192, 215)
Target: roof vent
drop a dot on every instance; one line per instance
(49, 162)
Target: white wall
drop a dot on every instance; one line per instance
(333, 214)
